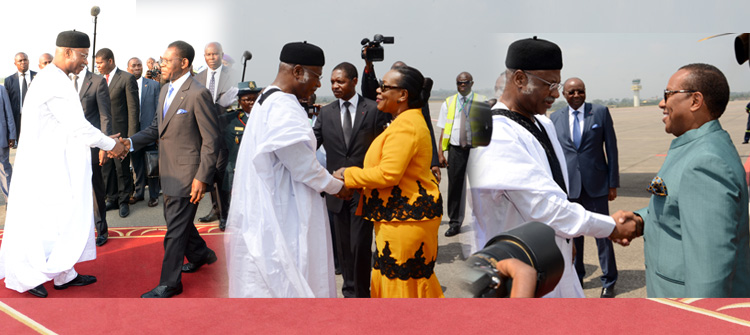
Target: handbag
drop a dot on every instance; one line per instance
(152, 163)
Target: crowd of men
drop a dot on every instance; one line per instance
(280, 243)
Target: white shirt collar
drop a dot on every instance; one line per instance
(180, 81)
(354, 101)
(580, 109)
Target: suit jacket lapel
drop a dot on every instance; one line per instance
(115, 78)
(359, 115)
(566, 127)
(176, 102)
(336, 119)
(85, 85)
(588, 120)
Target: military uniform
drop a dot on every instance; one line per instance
(235, 126)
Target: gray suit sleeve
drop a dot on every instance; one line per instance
(610, 145)
(105, 106)
(134, 108)
(10, 124)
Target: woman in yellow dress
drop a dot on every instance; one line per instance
(400, 194)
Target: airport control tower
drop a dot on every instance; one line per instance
(636, 88)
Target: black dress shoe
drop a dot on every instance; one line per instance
(163, 291)
(153, 202)
(222, 224)
(608, 292)
(192, 267)
(209, 218)
(102, 239)
(111, 206)
(124, 210)
(80, 280)
(38, 291)
(133, 200)
(453, 231)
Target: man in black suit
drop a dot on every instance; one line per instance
(17, 84)
(346, 128)
(188, 132)
(123, 93)
(149, 101)
(92, 89)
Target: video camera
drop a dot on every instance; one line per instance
(533, 243)
(375, 52)
(155, 72)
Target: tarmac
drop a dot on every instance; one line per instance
(642, 144)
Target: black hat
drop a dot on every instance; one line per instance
(302, 53)
(247, 87)
(73, 39)
(533, 54)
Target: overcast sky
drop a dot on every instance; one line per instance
(606, 43)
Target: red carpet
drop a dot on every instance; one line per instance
(130, 263)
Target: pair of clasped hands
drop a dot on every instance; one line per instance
(628, 226)
(345, 193)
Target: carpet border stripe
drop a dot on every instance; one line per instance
(706, 312)
(22, 318)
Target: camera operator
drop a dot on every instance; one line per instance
(154, 70)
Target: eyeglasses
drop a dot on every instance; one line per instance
(573, 92)
(384, 87)
(667, 93)
(83, 55)
(552, 86)
(465, 82)
(319, 76)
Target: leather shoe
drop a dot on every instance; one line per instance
(209, 218)
(38, 291)
(124, 210)
(80, 280)
(153, 202)
(453, 231)
(222, 224)
(111, 206)
(163, 291)
(608, 292)
(133, 200)
(192, 267)
(102, 239)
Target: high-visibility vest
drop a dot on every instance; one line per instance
(451, 103)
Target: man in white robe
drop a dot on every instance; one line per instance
(40, 245)
(521, 176)
(279, 241)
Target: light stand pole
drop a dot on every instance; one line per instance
(95, 13)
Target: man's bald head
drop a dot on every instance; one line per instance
(574, 92)
(44, 59)
(464, 82)
(397, 63)
(21, 60)
(213, 54)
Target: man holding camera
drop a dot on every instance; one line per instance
(148, 92)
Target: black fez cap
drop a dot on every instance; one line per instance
(302, 53)
(533, 54)
(73, 39)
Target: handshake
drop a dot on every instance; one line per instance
(628, 226)
(345, 193)
(121, 149)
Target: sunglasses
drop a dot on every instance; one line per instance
(465, 82)
(573, 92)
(668, 93)
(384, 87)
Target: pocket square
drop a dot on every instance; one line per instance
(657, 187)
(181, 111)
(595, 126)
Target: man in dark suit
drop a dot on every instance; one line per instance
(7, 141)
(188, 132)
(92, 89)
(123, 93)
(149, 100)
(584, 129)
(346, 128)
(17, 84)
(217, 80)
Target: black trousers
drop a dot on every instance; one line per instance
(457, 159)
(354, 249)
(118, 180)
(607, 259)
(138, 159)
(181, 240)
(97, 183)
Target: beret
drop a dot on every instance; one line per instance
(73, 39)
(533, 54)
(302, 53)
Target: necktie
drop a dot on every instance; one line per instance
(74, 78)
(464, 139)
(24, 86)
(347, 123)
(167, 102)
(212, 85)
(576, 130)
(107, 78)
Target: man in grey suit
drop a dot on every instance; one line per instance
(17, 84)
(7, 140)
(346, 128)
(188, 132)
(123, 93)
(584, 129)
(218, 81)
(94, 94)
(149, 100)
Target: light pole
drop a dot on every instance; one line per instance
(246, 56)
(95, 13)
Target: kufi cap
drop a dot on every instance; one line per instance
(302, 53)
(73, 39)
(246, 87)
(533, 54)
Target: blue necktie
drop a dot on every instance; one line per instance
(166, 102)
(576, 130)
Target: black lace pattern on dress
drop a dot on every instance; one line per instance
(415, 268)
(398, 207)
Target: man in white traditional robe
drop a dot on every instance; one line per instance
(279, 241)
(521, 176)
(43, 245)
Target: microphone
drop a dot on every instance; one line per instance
(248, 56)
(95, 11)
